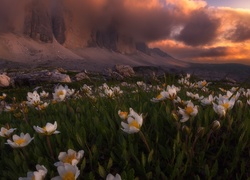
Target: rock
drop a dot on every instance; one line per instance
(58, 77)
(4, 80)
(61, 70)
(116, 76)
(34, 78)
(230, 80)
(124, 70)
(81, 76)
(37, 24)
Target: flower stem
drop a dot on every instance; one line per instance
(144, 140)
(50, 148)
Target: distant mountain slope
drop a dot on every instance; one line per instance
(24, 50)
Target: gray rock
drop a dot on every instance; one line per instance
(33, 78)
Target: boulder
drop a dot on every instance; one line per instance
(81, 76)
(4, 80)
(58, 77)
(33, 78)
(124, 70)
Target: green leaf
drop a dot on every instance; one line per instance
(110, 163)
(143, 160)
(79, 140)
(150, 156)
(17, 160)
(214, 169)
(131, 174)
(101, 171)
(149, 175)
(83, 164)
(207, 171)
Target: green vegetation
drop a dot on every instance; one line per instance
(165, 147)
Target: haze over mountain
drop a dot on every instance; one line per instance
(44, 32)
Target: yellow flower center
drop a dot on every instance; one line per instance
(69, 158)
(189, 110)
(33, 177)
(226, 105)
(159, 96)
(60, 93)
(68, 176)
(123, 114)
(203, 83)
(20, 141)
(135, 124)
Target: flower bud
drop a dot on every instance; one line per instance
(186, 129)
(175, 116)
(200, 132)
(215, 125)
(239, 103)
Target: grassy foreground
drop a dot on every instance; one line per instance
(182, 135)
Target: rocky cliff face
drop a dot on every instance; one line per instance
(44, 22)
(37, 23)
(49, 20)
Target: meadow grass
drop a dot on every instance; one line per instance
(164, 147)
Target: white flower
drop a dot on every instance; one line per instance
(226, 103)
(87, 89)
(44, 94)
(71, 157)
(67, 171)
(9, 108)
(48, 129)
(172, 92)
(33, 99)
(117, 90)
(202, 84)
(194, 96)
(220, 110)
(59, 93)
(189, 111)
(162, 96)
(111, 177)
(134, 122)
(20, 141)
(109, 92)
(247, 93)
(36, 175)
(207, 101)
(69, 92)
(6, 132)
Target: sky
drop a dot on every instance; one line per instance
(214, 31)
(211, 31)
(229, 3)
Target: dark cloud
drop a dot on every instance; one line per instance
(200, 29)
(239, 34)
(214, 52)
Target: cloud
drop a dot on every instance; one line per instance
(200, 29)
(239, 34)
(214, 52)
